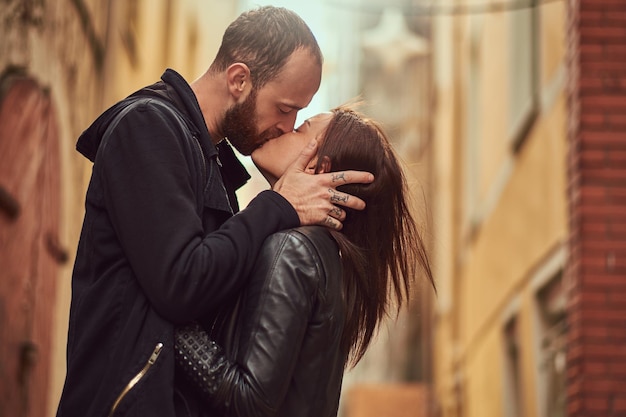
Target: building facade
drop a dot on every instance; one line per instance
(501, 229)
(62, 62)
(529, 186)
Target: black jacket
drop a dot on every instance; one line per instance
(159, 246)
(284, 357)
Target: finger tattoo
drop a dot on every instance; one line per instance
(339, 176)
(336, 197)
(335, 212)
(329, 221)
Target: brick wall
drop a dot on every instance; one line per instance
(596, 365)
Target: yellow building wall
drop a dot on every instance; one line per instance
(512, 242)
(153, 35)
(485, 270)
(484, 382)
(527, 223)
(492, 141)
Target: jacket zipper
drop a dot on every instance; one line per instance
(155, 354)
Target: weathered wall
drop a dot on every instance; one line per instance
(55, 46)
(79, 57)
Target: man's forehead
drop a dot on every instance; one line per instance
(292, 98)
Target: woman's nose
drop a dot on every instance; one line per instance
(288, 123)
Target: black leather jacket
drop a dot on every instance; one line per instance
(285, 359)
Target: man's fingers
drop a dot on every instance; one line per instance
(346, 200)
(332, 223)
(306, 155)
(337, 213)
(315, 197)
(335, 179)
(348, 177)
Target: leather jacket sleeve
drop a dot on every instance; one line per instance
(253, 379)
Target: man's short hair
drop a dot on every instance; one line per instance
(263, 39)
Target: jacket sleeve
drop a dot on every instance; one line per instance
(254, 379)
(149, 196)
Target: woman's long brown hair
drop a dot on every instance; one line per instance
(381, 247)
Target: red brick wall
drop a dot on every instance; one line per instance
(596, 365)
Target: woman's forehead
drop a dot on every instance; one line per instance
(321, 119)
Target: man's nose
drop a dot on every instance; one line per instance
(288, 123)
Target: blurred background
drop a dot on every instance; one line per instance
(510, 117)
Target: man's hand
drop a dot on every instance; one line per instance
(314, 197)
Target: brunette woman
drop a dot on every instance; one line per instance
(316, 296)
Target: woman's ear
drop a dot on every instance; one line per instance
(310, 168)
(238, 80)
(325, 166)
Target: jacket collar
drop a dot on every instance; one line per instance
(180, 92)
(174, 89)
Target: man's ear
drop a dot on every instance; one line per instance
(238, 79)
(325, 165)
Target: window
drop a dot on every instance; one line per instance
(512, 375)
(523, 64)
(473, 124)
(551, 302)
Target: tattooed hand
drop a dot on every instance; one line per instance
(336, 212)
(314, 197)
(337, 198)
(338, 177)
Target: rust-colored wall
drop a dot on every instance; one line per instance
(596, 361)
(29, 243)
(58, 45)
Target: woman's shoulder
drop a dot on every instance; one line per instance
(311, 245)
(308, 238)
(302, 246)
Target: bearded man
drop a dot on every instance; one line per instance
(163, 241)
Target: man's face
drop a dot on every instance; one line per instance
(270, 111)
(240, 125)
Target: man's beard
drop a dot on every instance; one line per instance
(240, 126)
